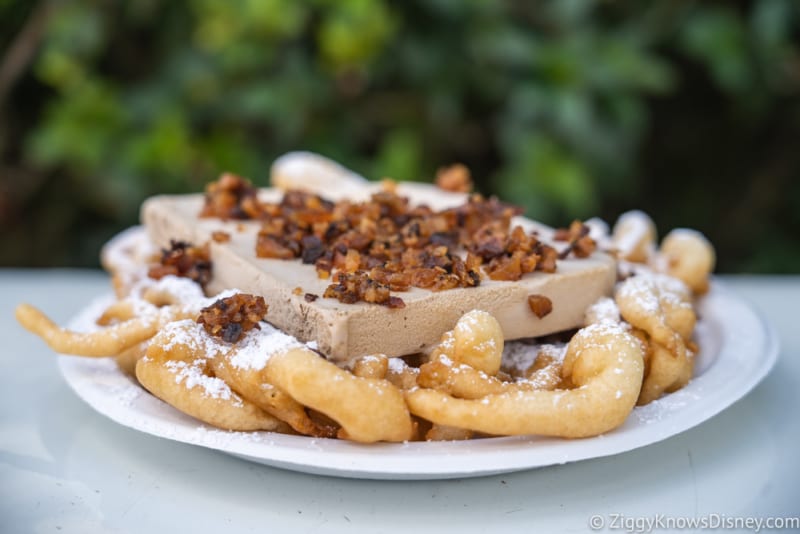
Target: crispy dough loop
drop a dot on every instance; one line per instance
(126, 360)
(634, 236)
(666, 372)
(107, 342)
(401, 375)
(342, 396)
(125, 258)
(458, 379)
(253, 385)
(660, 307)
(176, 369)
(476, 340)
(603, 361)
(658, 304)
(373, 366)
(466, 363)
(690, 257)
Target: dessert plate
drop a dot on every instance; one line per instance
(737, 350)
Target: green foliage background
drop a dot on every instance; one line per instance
(689, 110)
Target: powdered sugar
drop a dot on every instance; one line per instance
(255, 349)
(127, 254)
(631, 229)
(182, 290)
(396, 365)
(519, 356)
(605, 310)
(647, 292)
(599, 232)
(193, 375)
(191, 334)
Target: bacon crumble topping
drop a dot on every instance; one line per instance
(220, 237)
(580, 243)
(232, 317)
(185, 260)
(540, 305)
(369, 249)
(231, 197)
(454, 178)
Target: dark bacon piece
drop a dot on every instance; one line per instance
(359, 286)
(232, 317)
(580, 244)
(384, 244)
(184, 260)
(231, 197)
(454, 178)
(540, 305)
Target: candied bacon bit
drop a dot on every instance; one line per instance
(297, 291)
(580, 244)
(352, 260)
(386, 245)
(508, 268)
(540, 305)
(231, 197)
(387, 184)
(354, 287)
(310, 297)
(455, 178)
(313, 248)
(232, 317)
(220, 236)
(185, 260)
(268, 246)
(583, 247)
(396, 302)
(548, 255)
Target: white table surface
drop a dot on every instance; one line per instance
(65, 468)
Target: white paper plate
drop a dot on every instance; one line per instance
(738, 348)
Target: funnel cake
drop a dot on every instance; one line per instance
(343, 331)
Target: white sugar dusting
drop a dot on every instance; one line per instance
(599, 231)
(193, 375)
(605, 310)
(191, 334)
(519, 356)
(254, 350)
(182, 290)
(632, 228)
(397, 365)
(648, 291)
(127, 254)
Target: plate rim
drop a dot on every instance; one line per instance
(452, 459)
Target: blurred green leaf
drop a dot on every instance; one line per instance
(718, 38)
(568, 107)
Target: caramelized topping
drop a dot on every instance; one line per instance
(454, 178)
(220, 237)
(580, 244)
(540, 305)
(231, 197)
(511, 255)
(372, 248)
(185, 260)
(232, 317)
(353, 287)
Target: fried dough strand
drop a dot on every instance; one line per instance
(368, 409)
(603, 361)
(107, 342)
(176, 369)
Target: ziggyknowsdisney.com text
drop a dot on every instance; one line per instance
(654, 523)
